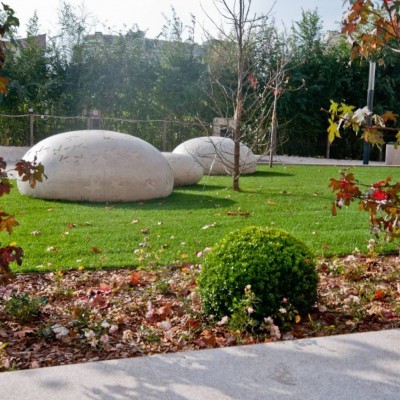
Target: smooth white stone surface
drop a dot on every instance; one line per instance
(185, 168)
(215, 155)
(97, 165)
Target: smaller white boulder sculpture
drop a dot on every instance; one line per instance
(216, 155)
(97, 165)
(185, 169)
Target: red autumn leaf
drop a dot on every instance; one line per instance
(193, 324)
(5, 186)
(208, 338)
(379, 195)
(379, 295)
(134, 279)
(96, 250)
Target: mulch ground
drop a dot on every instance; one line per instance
(80, 316)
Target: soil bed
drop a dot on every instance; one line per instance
(80, 316)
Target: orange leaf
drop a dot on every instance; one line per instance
(134, 279)
(96, 249)
(3, 84)
(103, 286)
(8, 223)
(379, 295)
(165, 311)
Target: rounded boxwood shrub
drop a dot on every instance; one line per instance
(272, 261)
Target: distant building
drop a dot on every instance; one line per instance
(41, 41)
(150, 45)
(332, 38)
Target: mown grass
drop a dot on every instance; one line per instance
(294, 198)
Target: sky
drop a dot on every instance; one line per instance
(118, 15)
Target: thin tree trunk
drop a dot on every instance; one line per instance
(274, 130)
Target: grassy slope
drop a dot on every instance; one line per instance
(294, 198)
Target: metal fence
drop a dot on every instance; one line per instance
(165, 135)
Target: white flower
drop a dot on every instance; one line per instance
(89, 334)
(283, 310)
(354, 299)
(104, 338)
(224, 320)
(113, 329)
(105, 324)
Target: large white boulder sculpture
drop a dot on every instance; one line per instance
(215, 155)
(185, 168)
(97, 165)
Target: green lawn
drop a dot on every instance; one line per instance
(294, 198)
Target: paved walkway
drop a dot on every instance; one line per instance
(363, 366)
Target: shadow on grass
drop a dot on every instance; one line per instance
(269, 173)
(178, 200)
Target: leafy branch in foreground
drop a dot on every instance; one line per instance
(370, 27)
(371, 126)
(381, 200)
(28, 171)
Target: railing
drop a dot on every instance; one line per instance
(28, 129)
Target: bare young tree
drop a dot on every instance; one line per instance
(248, 65)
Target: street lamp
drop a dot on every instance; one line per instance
(370, 105)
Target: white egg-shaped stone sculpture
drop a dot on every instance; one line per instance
(185, 168)
(98, 165)
(215, 154)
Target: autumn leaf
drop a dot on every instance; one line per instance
(164, 311)
(96, 250)
(379, 295)
(105, 287)
(334, 107)
(5, 186)
(346, 109)
(332, 131)
(389, 116)
(7, 223)
(134, 279)
(242, 214)
(3, 84)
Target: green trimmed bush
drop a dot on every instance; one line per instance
(273, 262)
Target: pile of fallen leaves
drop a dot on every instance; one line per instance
(79, 316)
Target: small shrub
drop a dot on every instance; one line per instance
(275, 264)
(24, 308)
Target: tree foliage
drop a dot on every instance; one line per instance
(131, 77)
(27, 171)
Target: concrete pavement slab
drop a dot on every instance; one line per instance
(357, 366)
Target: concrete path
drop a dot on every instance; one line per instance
(297, 160)
(363, 366)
